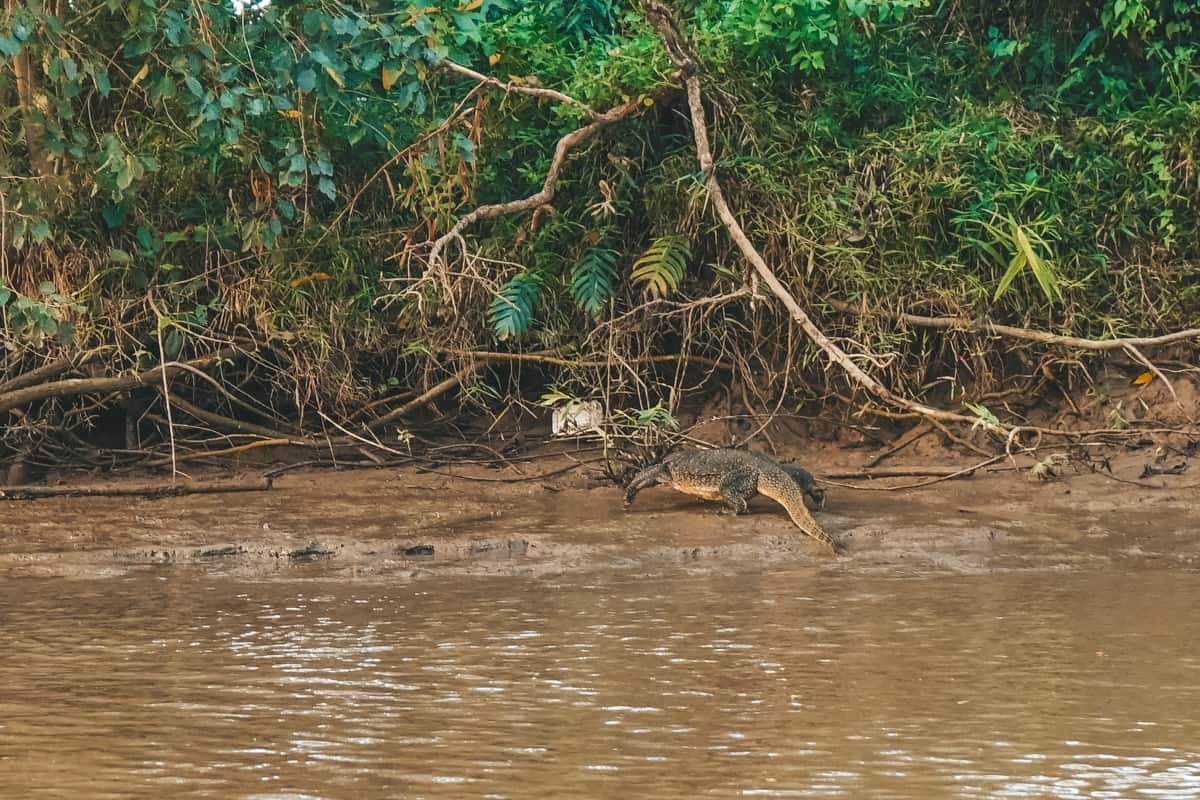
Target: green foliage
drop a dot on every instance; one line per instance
(512, 309)
(33, 320)
(592, 279)
(661, 267)
(260, 173)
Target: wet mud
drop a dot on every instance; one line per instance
(394, 525)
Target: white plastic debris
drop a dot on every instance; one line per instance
(577, 417)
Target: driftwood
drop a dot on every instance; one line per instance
(136, 490)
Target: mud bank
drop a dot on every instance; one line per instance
(398, 525)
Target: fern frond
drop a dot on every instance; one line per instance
(592, 279)
(662, 266)
(512, 309)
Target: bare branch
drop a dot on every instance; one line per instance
(986, 326)
(546, 193)
(549, 94)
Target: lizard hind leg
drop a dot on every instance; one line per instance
(643, 480)
(738, 487)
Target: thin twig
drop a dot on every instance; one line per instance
(939, 479)
(987, 326)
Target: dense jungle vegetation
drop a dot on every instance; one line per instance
(250, 195)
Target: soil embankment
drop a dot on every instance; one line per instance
(403, 525)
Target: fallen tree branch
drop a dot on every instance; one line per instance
(544, 195)
(989, 327)
(135, 490)
(71, 387)
(662, 18)
(41, 374)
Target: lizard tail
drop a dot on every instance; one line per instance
(783, 490)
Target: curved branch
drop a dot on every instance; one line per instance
(550, 94)
(546, 193)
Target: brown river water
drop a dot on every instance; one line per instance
(976, 672)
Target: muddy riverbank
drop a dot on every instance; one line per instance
(403, 525)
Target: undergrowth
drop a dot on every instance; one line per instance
(179, 176)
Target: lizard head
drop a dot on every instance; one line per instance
(804, 480)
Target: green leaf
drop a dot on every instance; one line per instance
(662, 266)
(66, 331)
(40, 230)
(118, 256)
(5, 295)
(306, 81)
(103, 86)
(511, 311)
(1014, 269)
(592, 279)
(173, 343)
(9, 46)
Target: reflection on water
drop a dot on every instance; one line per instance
(777, 685)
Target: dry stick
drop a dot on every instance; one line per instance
(166, 392)
(227, 423)
(547, 357)
(893, 472)
(135, 490)
(241, 448)
(550, 94)
(71, 387)
(546, 193)
(662, 17)
(986, 326)
(904, 441)
(966, 471)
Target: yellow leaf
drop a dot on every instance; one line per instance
(291, 113)
(389, 77)
(494, 59)
(333, 73)
(1143, 379)
(296, 283)
(471, 6)
(141, 75)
